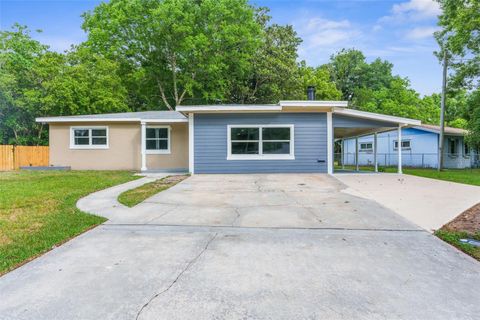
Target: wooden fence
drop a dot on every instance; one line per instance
(14, 157)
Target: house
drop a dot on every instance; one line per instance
(419, 145)
(291, 136)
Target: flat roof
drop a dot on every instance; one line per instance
(447, 130)
(336, 107)
(377, 116)
(151, 116)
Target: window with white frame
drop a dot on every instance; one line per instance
(256, 142)
(89, 137)
(158, 139)
(366, 146)
(406, 145)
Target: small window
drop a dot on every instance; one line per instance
(158, 139)
(452, 146)
(89, 138)
(254, 142)
(405, 145)
(366, 146)
(466, 149)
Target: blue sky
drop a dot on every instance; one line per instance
(395, 30)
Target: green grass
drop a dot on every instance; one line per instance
(466, 176)
(37, 210)
(133, 197)
(453, 238)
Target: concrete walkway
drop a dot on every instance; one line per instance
(429, 203)
(104, 203)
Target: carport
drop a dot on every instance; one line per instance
(353, 124)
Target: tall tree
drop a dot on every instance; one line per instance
(346, 69)
(460, 36)
(272, 73)
(177, 49)
(319, 77)
(18, 55)
(35, 82)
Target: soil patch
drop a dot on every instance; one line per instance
(468, 221)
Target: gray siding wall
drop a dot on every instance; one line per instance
(341, 121)
(210, 143)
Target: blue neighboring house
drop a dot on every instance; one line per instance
(419, 148)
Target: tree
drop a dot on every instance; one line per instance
(318, 77)
(460, 36)
(346, 69)
(177, 49)
(272, 74)
(18, 55)
(373, 87)
(35, 82)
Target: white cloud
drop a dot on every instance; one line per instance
(323, 35)
(413, 10)
(419, 33)
(319, 33)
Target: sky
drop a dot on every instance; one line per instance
(395, 30)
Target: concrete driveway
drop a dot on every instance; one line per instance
(428, 203)
(246, 247)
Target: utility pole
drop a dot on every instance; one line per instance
(442, 111)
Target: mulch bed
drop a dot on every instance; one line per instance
(468, 221)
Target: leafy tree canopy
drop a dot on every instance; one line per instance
(460, 37)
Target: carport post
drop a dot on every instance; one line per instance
(375, 160)
(356, 155)
(343, 154)
(329, 143)
(399, 148)
(143, 145)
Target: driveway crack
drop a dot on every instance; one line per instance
(236, 217)
(189, 264)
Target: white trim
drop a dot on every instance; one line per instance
(164, 120)
(403, 148)
(143, 145)
(399, 150)
(377, 116)
(90, 146)
(222, 108)
(368, 150)
(169, 139)
(313, 103)
(261, 156)
(74, 119)
(375, 150)
(329, 143)
(191, 154)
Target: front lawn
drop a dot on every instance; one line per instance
(453, 237)
(467, 176)
(133, 197)
(37, 210)
(464, 226)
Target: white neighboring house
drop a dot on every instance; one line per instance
(419, 148)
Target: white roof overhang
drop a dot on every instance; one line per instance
(377, 116)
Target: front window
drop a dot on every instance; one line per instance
(406, 145)
(89, 138)
(260, 142)
(158, 139)
(366, 146)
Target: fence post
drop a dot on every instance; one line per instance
(423, 162)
